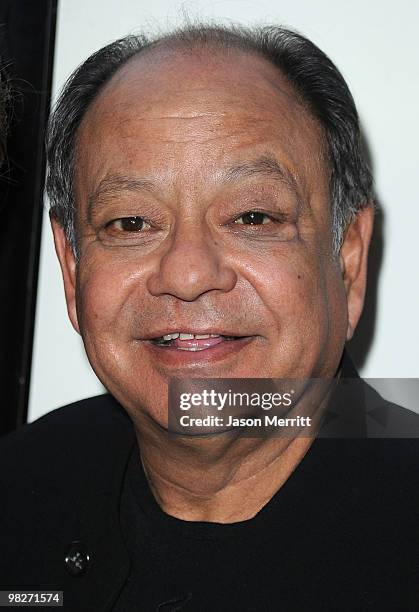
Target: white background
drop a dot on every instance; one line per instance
(375, 45)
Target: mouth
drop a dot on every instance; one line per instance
(197, 348)
(187, 341)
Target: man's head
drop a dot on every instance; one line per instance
(211, 182)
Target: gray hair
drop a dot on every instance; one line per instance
(315, 79)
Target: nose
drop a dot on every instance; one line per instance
(192, 265)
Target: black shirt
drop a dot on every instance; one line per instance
(340, 534)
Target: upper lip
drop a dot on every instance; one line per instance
(189, 330)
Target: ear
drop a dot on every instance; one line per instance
(353, 262)
(68, 268)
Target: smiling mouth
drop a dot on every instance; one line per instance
(185, 341)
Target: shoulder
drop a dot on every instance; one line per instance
(391, 448)
(373, 440)
(64, 437)
(101, 409)
(388, 420)
(60, 480)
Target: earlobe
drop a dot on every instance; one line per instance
(353, 262)
(68, 266)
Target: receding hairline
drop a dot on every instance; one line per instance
(309, 71)
(164, 51)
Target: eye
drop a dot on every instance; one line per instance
(253, 217)
(129, 224)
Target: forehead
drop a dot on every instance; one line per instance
(189, 114)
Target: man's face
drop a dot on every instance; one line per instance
(202, 208)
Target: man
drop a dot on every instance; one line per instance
(212, 212)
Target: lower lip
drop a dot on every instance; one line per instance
(175, 357)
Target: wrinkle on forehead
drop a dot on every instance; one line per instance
(194, 109)
(214, 112)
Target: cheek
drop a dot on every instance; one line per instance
(289, 285)
(100, 296)
(305, 297)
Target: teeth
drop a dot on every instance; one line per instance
(187, 336)
(171, 337)
(192, 348)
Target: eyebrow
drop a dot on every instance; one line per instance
(114, 184)
(266, 165)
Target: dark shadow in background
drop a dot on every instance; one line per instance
(359, 346)
(27, 31)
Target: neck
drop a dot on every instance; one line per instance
(222, 479)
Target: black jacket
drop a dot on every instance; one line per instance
(61, 478)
